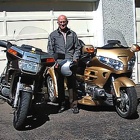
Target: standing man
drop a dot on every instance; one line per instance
(63, 44)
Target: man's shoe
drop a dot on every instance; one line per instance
(75, 110)
(74, 107)
(61, 107)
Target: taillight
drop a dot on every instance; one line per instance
(50, 60)
(13, 52)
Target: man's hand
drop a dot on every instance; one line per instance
(75, 60)
(56, 65)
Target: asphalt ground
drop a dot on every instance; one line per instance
(92, 123)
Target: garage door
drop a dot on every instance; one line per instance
(12, 23)
(80, 20)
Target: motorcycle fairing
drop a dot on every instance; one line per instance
(97, 74)
(124, 55)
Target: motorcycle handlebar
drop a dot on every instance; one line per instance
(5, 44)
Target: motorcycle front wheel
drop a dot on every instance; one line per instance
(20, 113)
(127, 106)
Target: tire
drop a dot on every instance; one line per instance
(127, 107)
(50, 89)
(21, 112)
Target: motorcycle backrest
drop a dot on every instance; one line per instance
(113, 42)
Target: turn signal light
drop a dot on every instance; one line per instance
(90, 50)
(13, 52)
(135, 48)
(50, 60)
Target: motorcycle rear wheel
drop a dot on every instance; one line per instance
(127, 107)
(51, 89)
(21, 112)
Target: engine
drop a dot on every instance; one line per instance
(95, 92)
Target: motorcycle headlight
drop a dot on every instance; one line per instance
(117, 65)
(29, 66)
(131, 63)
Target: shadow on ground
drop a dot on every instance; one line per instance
(39, 114)
(107, 108)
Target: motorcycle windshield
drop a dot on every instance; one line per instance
(113, 36)
(34, 36)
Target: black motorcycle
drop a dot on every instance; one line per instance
(22, 80)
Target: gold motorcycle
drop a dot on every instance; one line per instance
(104, 76)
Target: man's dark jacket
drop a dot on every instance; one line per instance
(61, 50)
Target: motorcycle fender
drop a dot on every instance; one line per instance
(122, 82)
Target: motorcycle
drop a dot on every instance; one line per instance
(22, 82)
(104, 75)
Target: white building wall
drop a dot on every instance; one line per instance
(138, 40)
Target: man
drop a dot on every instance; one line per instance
(63, 44)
